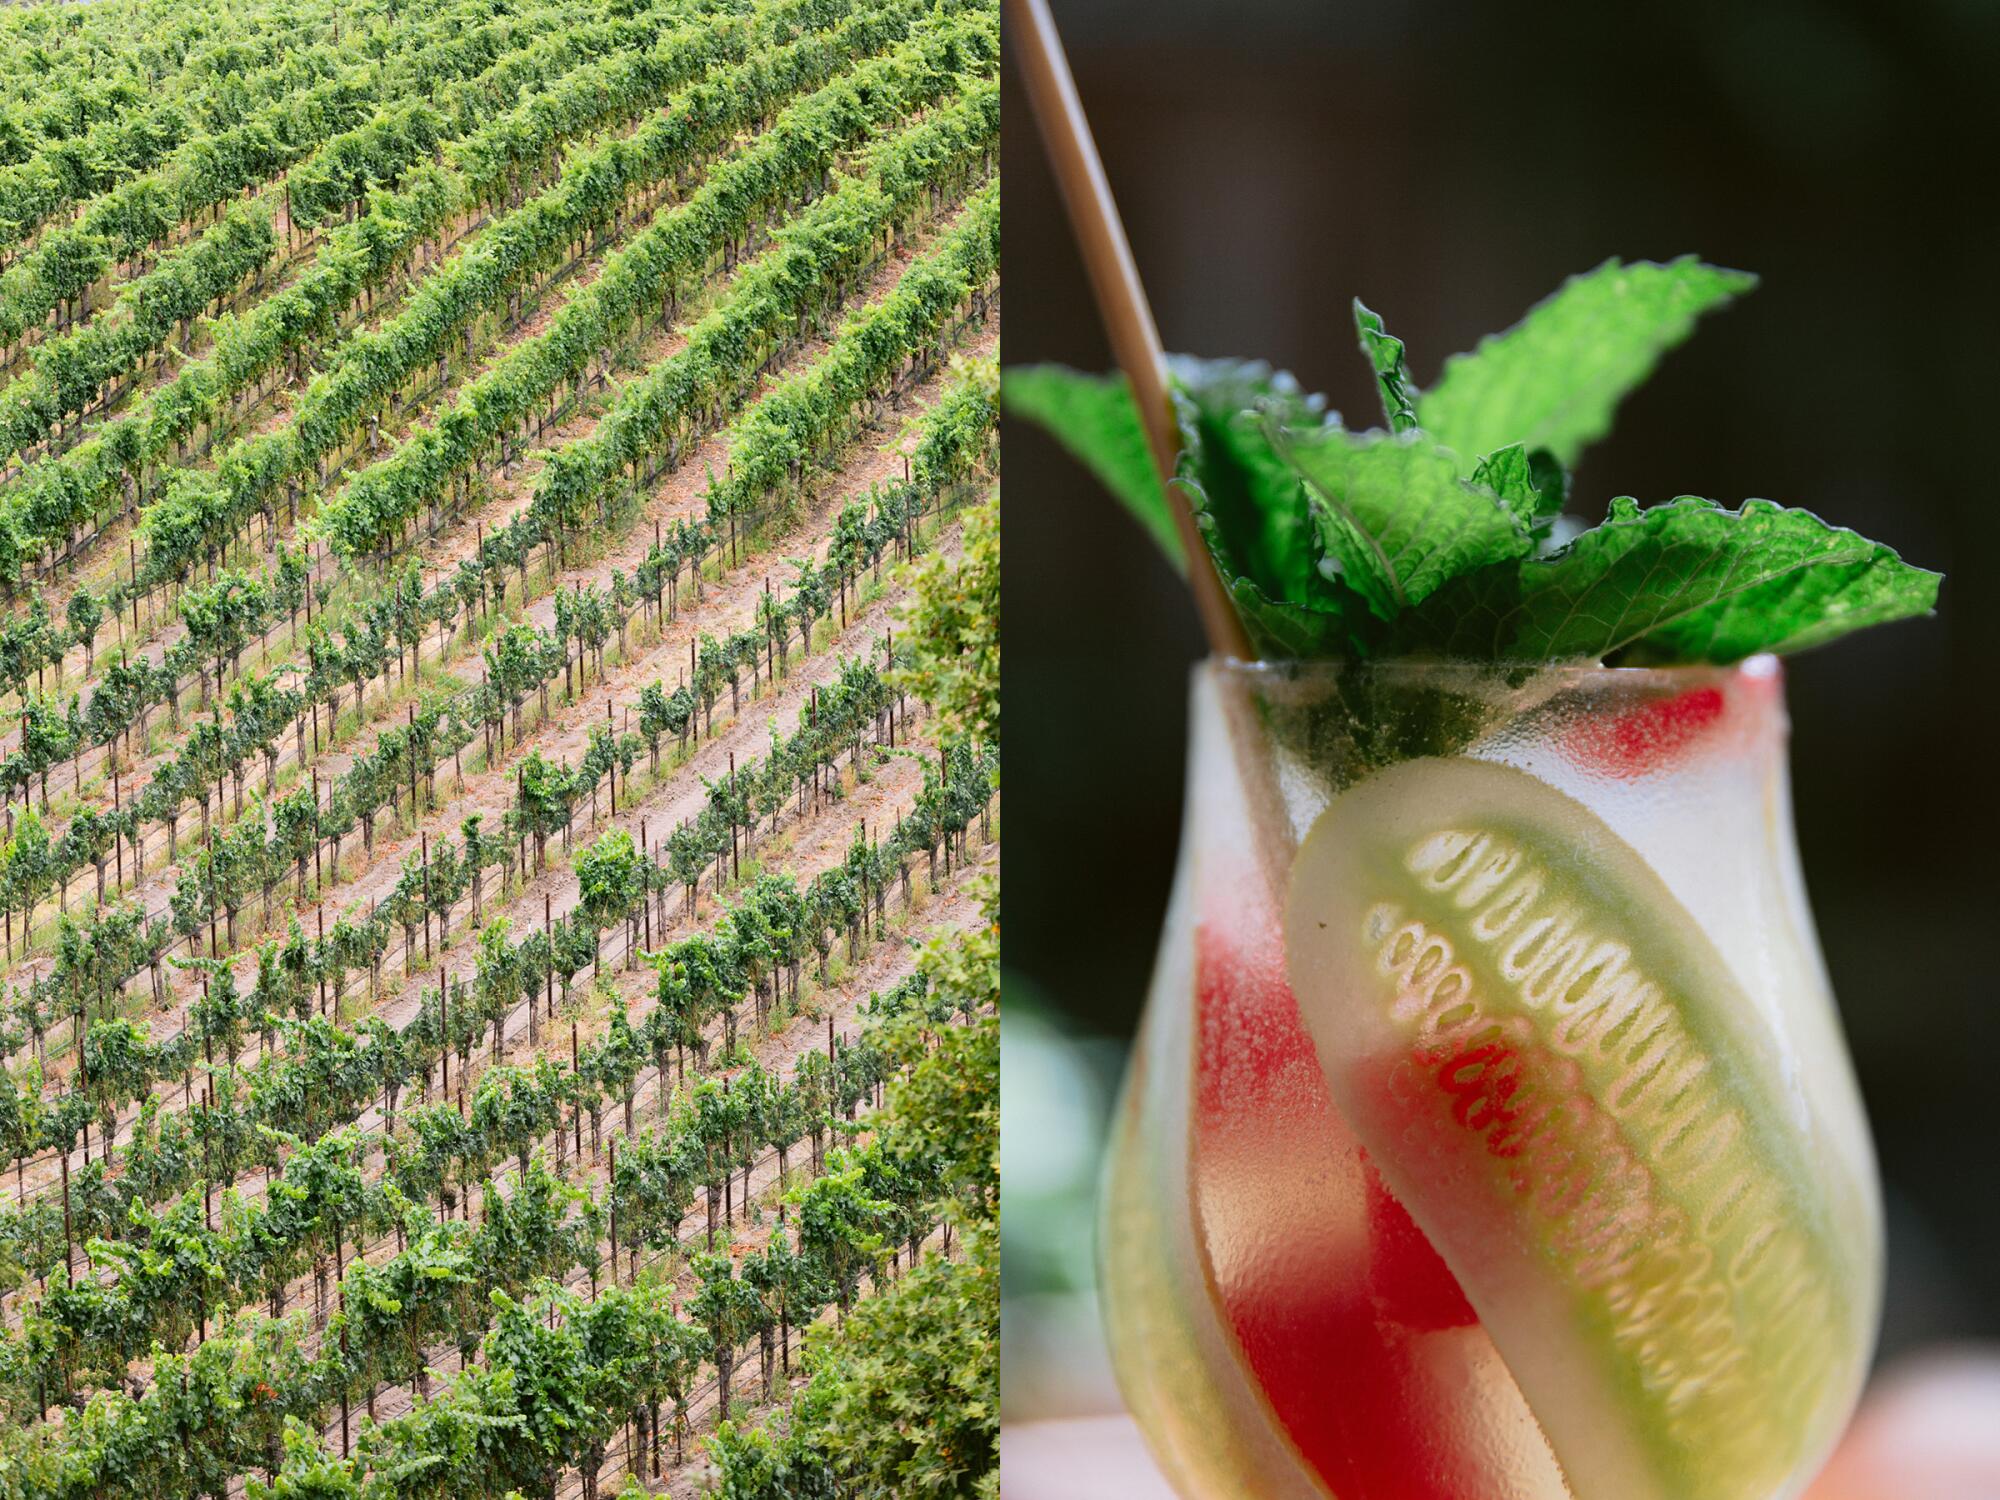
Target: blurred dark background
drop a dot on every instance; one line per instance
(1451, 163)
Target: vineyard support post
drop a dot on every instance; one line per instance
(69, 1233)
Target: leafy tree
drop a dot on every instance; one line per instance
(730, 1310)
(953, 635)
(936, 1331)
(611, 882)
(840, 1226)
(794, 1289)
(86, 618)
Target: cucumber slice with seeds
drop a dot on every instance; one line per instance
(1558, 1074)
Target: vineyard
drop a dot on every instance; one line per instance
(499, 733)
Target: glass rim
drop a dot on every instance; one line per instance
(1275, 670)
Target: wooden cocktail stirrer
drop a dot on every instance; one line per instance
(1114, 281)
(1122, 301)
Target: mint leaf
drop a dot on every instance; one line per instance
(1330, 543)
(1554, 379)
(1511, 475)
(1795, 611)
(1394, 517)
(1686, 581)
(1392, 374)
(1095, 418)
(1296, 631)
(1552, 479)
(1247, 502)
(1250, 508)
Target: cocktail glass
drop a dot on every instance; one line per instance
(1490, 1132)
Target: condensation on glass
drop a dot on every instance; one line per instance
(1490, 1133)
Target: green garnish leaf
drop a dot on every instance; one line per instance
(1552, 479)
(1392, 372)
(1383, 544)
(1096, 419)
(1251, 507)
(1247, 502)
(1295, 631)
(1687, 581)
(1510, 474)
(1394, 517)
(1846, 588)
(1554, 379)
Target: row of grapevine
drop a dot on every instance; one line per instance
(88, 1328)
(622, 1355)
(73, 370)
(302, 1096)
(111, 61)
(654, 272)
(743, 187)
(821, 252)
(335, 177)
(198, 512)
(505, 975)
(818, 410)
(323, 1075)
(88, 971)
(300, 825)
(132, 203)
(230, 1404)
(108, 717)
(518, 663)
(65, 72)
(257, 853)
(53, 498)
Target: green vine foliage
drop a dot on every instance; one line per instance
(153, 1291)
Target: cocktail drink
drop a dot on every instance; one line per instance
(1490, 1132)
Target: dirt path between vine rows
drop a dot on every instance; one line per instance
(677, 495)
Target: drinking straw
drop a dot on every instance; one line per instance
(1114, 282)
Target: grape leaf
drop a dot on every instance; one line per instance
(1394, 517)
(1685, 581)
(1095, 418)
(1392, 373)
(1554, 379)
